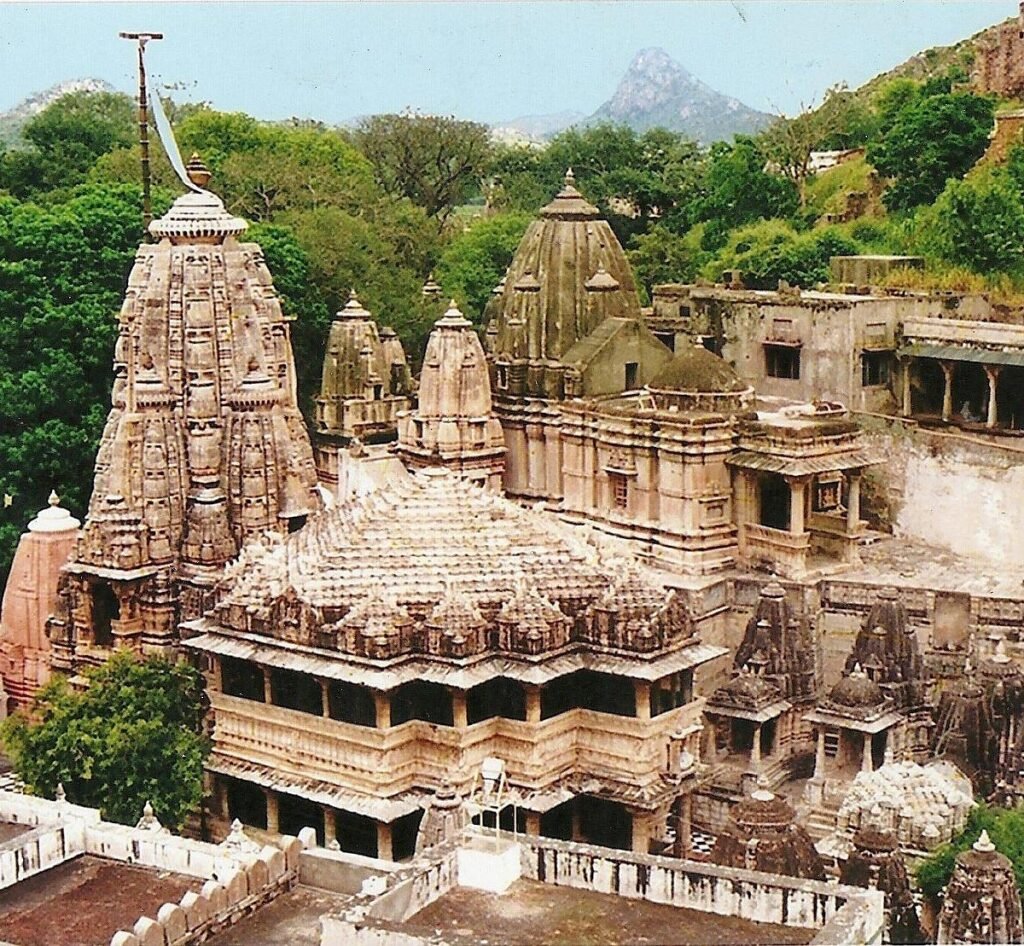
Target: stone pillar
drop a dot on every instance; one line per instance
(819, 754)
(853, 502)
(325, 698)
(272, 817)
(643, 830)
(459, 718)
(947, 390)
(384, 851)
(684, 826)
(868, 764)
(906, 405)
(330, 825)
(642, 689)
(532, 703)
(798, 489)
(755, 749)
(382, 704)
(532, 822)
(992, 373)
(268, 690)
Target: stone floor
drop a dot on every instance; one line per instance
(8, 830)
(532, 912)
(293, 919)
(84, 902)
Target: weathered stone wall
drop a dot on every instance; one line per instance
(38, 850)
(954, 492)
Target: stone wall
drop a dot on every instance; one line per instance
(841, 914)
(38, 850)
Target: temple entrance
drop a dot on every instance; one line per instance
(742, 735)
(767, 737)
(106, 609)
(775, 499)
(878, 743)
(970, 392)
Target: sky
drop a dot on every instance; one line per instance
(485, 61)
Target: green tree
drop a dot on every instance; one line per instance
(476, 259)
(977, 223)
(65, 140)
(132, 736)
(661, 256)
(1005, 828)
(435, 161)
(928, 136)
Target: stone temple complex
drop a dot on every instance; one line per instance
(609, 588)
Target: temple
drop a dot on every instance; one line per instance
(204, 446)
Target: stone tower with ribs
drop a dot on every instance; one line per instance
(204, 445)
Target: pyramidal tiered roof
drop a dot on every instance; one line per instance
(463, 571)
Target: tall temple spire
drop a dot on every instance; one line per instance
(204, 446)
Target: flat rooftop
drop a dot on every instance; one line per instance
(531, 912)
(9, 831)
(293, 919)
(85, 901)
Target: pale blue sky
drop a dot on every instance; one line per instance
(486, 61)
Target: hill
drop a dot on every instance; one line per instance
(657, 90)
(13, 120)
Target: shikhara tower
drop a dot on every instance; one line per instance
(204, 445)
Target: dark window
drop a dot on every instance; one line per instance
(874, 368)
(668, 339)
(351, 703)
(295, 523)
(403, 835)
(296, 691)
(619, 483)
(671, 692)
(775, 502)
(588, 689)
(430, 702)
(106, 609)
(782, 361)
(378, 390)
(356, 834)
(767, 737)
(684, 311)
(397, 376)
(502, 374)
(632, 370)
(712, 344)
(294, 814)
(247, 803)
(241, 678)
(497, 697)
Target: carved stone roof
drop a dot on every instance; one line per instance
(856, 691)
(747, 691)
(439, 546)
(197, 216)
(696, 369)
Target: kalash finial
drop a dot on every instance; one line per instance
(570, 178)
(54, 499)
(984, 844)
(198, 173)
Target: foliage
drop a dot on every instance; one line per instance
(772, 250)
(661, 256)
(1005, 828)
(437, 162)
(977, 223)
(476, 259)
(131, 737)
(66, 138)
(62, 273)
(738, 190)
(928, 135)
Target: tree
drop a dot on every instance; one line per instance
(435, 161)
(788, 142)
(738, 190)
(928, 136)
(978, 223)
(661, 256)
(66, 138)
(132, 736)
(476, 259)
(1005, 828)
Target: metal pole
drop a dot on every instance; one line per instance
(147, 206)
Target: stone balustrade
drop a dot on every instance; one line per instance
(397, 759)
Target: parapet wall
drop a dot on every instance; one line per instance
(841, 914)
(237, 881)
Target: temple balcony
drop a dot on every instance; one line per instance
(786, 550)
(382, 762)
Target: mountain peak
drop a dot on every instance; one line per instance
(658, 90)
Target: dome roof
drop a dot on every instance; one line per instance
(856, 690)
(699, 370)
(569, 203)
(762, 809)
(747, 689)
(197, 216)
